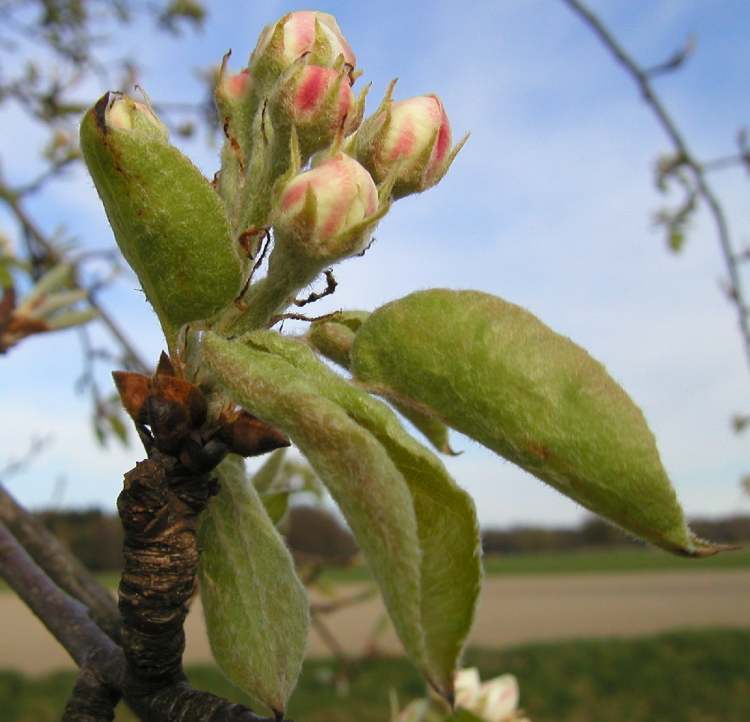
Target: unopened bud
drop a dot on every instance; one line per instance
(319, 103)
(234, 86)
(408, 142)
(328, 212)
(309, 33)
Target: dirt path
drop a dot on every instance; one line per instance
(512, 610)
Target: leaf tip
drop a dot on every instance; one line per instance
(700, 548)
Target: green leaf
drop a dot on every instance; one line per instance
(6, 279)
(118, 426)
(463, 715)
(168, 222)
(255, 606)
(493, 371)
(276, 505)
(417, 529)
(676, 240)
(266, 476)
(334, 340)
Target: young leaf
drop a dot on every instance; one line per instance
(168, 222)
(493, 371)
(276, 505)
(356, 469)
(334, 340)
(265, 477)
(255, 606)
(435, 622)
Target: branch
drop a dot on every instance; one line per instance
(642, 79)
(66, 618)
(54, 255)
(60, 564)
(103, 663)
(159, 507)
(92, 700)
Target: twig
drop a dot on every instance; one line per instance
(91, 649)
(14, 465)
(69, 622)
(54, 255)
(675, 61)
(727, 161)
(330, 288)
(301, 317)
(642, 78)
(66, 618)
(59, 563)
(92, 700)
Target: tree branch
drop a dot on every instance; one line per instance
(60, 564)
(66, 618)
(105, 673)
(29, 226)
(92, 699)
(642, 79)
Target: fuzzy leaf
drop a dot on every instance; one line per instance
(334, 339)
(493, 371)
(276, 505)
(255, 606)
(265, 478)
(168, 222)
(440, 553)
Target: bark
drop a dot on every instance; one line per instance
(60, 564)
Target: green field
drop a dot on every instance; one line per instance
(612, 560)
(625, 559)
(573, 562)
(699, 676)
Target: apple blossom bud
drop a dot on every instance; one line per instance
(234, 86)
(235, 106)
(300, 33)
(318, 102)
(328, 212)
(492, 701)
(233, 103)
(407, 142)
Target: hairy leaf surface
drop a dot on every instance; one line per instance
(334, 339)
(493, 371)
(168, 222)
(430, 570)
(255, 606)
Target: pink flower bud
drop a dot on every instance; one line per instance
(297, 34)
(319, 102)
(234, 87)
(411, 138)
(311, 90)
(328, 211)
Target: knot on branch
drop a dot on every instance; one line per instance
(93, 699)
(171, 415)
(159, 506)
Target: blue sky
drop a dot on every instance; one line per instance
(550, 205)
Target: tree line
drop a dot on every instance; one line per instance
(313, 533)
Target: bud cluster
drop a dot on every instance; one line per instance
(299, 158)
